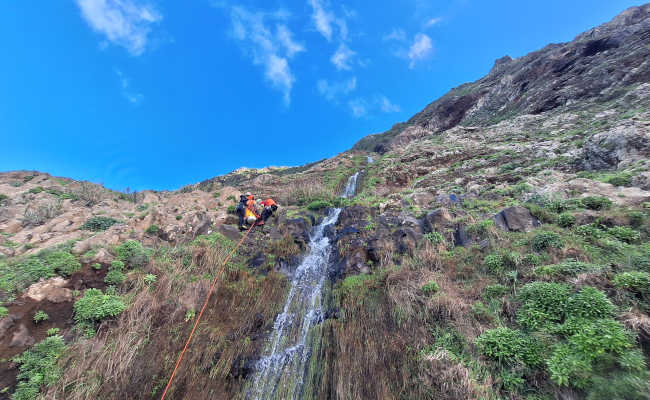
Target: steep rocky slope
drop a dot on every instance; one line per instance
(496, 247)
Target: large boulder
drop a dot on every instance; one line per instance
(53, 290)
(516, 219)
(437, 219)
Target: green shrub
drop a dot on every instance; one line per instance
(596, 202)
(36, 190)
(480, 228)
(17, 275)
(63, 262)
(97, 266)
(540, 212)
(620, 385)
(509, 346)
(179, 217)
(624, 233)
(132, 253)
(589, 303)
(621, 179)
(40, 316)
(231, 209)
(38, 368)
(4, 199)
(567, 268)
(430, 288)
(531, 259)
(566, 220)
(319, 205)
(545, 240)
(95, 306)
(569, 368)
(590, 231)
(99, 223)
(153, 229)
(53, 331)
(150, 279)
(117, 265)
(495, 291)
(435, 238)
(114, 277)
(599, 337)
(4, 311)
(636, 281)
(543, 303)
(494, 262)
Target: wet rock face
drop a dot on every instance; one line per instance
(516, 219)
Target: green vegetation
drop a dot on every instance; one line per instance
(566, 220)
(635, 281)
(53, 331)
(319, 205)
(435, 238)
(132, 254)
(36, 190)
(150, 279)
(567, 268)
(63, 262)
(4, 311)
(545, 240)
(430, 288)
(153, 229)
(38, 368)
(115, 275)
(99, 223)
(95, 306)
(40, 316)
(624, 233)
(596, 202)
(509, 346)
(231, 209)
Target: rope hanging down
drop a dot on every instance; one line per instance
(198, 319)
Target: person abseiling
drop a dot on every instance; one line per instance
(241, 209)
(269, 207)
(251, 214)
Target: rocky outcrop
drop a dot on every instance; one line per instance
(596, 66)
(618, 147)
(516, 219)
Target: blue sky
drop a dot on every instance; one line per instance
(156, 95)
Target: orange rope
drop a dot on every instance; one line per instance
(205, 304)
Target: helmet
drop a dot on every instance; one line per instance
(248, 194)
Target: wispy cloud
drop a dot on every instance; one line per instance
(362, 107)
(432, 21)
(125, 23)
(333, 91)
(420, 49)
(396, 34)
(326, 21)
(387, 106)
(266, 38)
(342, 57)
(127, 91)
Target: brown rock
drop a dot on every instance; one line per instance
(52, 290)
(22, 338)
(516, 219)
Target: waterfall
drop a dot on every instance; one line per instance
(280, 372)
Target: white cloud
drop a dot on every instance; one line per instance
(342, 57)
(127, 92)
(386, 106)
(362, 107)
(325, 20)
(332, 91)
(358, 107)
(125, 23)
(396, 34)
(271, 49)
(432, 21)
(420, 49)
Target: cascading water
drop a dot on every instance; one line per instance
(280, 373)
